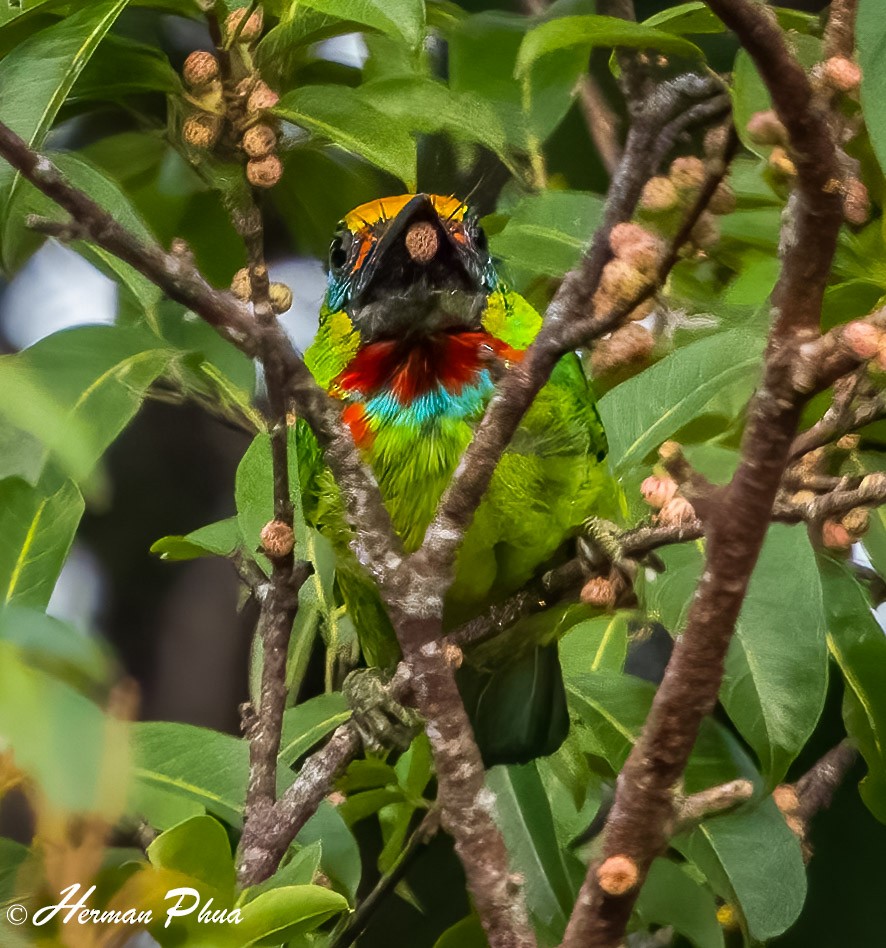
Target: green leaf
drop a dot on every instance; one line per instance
(547, 233)
(63, 51)
(160, 808)
(341, 115)
(199, 848)
(309, 722)
(340, 859)
(12, 856)
(870, 32)
(402, 19)
(57, 736)
(197, 763)
(38, 529)
(598, 644)
(360, 806)
(277, 915)
(122, 67)
(215, 539)
(749, 92)
(653, 406)
(858, 646)
(524, 815)
(56, 647)
(671, 897)
(588, 32)
(692, 17)
(421, 104)
(468, 933)
(301, 869)
(753, 859)
(99, 373)
(482, 55)
(776, 667)
(610, 710)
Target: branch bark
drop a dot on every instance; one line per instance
(640, 821)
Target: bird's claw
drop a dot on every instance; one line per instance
(381, 721)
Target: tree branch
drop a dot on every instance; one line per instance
(637, 828)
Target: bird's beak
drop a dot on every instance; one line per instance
(415, 244)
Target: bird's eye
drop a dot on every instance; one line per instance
(338, 251)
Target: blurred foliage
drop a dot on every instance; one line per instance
(446, 98)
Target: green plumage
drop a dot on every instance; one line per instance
(550, 480)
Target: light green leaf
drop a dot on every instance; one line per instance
(38, 529)
(54, 646)
(215, 539)
(309, 722)
(598, 644)
(858, 646)
(202, 765)
(670, 896)
(100, 374)
(752, 859)
(63, 50)
(341, 115)
(301, 869)
(12, 855)
(275, 916)
(653, 406)
(610, 709)
(57, 736)
(402, 19)
(198, 847)
(591, 31)
(523, 814)
(161, 808)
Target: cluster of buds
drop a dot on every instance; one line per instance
(637, 255)
(661, 492)
(279, 294)
(235, 106)
(675, 190)
(203, 127)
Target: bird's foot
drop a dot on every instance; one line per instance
(610, 570)
(382, 722)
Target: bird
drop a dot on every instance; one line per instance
(416, 329)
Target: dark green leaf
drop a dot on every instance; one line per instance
(524, 815)
(692, 17)
(858, 646)
(122, 67)
(340, 859)
(670, 896)
(870, 31)
(752, 859)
